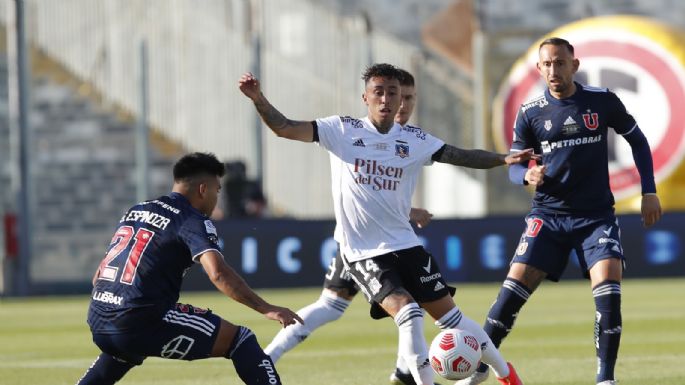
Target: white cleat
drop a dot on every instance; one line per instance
(475, 379)
(608, 382)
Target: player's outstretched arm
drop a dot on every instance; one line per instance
(421, 217)
(233, 285)
(277, 122)
(480, 158)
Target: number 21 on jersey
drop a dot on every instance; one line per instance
(109, 267)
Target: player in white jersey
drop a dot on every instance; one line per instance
(375, 165)
(338, 287)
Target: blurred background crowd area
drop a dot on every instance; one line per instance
(96, 68)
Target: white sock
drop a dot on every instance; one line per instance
(326, 309)
(412, 343)
(454, 319)
(401, 365)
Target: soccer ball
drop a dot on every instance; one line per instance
(454, 354)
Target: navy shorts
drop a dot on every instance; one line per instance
(549, 239)
(184, 332)
(338, 277)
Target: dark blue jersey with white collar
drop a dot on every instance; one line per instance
(140, 278)
(571, 135)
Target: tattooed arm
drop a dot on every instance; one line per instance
(479, 158)
(277, 122)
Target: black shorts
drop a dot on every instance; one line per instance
(338, 277)
(185, 332)
(413, 269)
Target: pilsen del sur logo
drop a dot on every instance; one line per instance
(643, 62)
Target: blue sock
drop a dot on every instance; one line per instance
(253, 366)
(512, 296)
(607, 327)
(105, 370)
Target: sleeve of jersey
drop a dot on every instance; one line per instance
(642, 155)
(330, 132)
(434, 145)
(621, 121)
(624, 124)
(517, 172)
(200, 237)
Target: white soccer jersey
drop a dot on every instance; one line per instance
(373, 178)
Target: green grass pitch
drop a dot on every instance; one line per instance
(46, 340)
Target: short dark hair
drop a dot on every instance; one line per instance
(558, 42)
(406, 78)
(197, 164)
(381, 70)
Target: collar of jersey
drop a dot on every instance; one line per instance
(565, 101)
(181, 198)
(371, 128)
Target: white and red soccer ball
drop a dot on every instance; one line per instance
(454, 354)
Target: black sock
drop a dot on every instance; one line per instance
(253, 366)
(607, 327)
(512, 296)
(105, 370)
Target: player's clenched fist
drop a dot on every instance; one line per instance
(535, 175)
(249, 85)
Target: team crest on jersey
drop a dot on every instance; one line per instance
(591, 120)
(209, 227)
(548, 124)
(401, 150)
(211, 232)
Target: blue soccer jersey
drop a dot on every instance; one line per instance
(571, 135)
(140, 277)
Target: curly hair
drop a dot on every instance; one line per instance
(382, 70)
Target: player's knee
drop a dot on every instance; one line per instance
(244, 338)
(106, 369)
(339, 292)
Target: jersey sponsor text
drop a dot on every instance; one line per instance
(549, 147)
(107, 297)
(381, 177)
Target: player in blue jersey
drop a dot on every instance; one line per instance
(134, 312)
(338, 287)
(573, 207)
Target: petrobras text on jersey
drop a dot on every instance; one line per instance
(548, 147)
(107, 297)
(148, 217)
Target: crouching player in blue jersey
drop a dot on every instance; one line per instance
(573, 207)
(134, 312)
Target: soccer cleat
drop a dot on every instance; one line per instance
(608, 382)
(474, 379)
(399, 378)
(512, 378)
